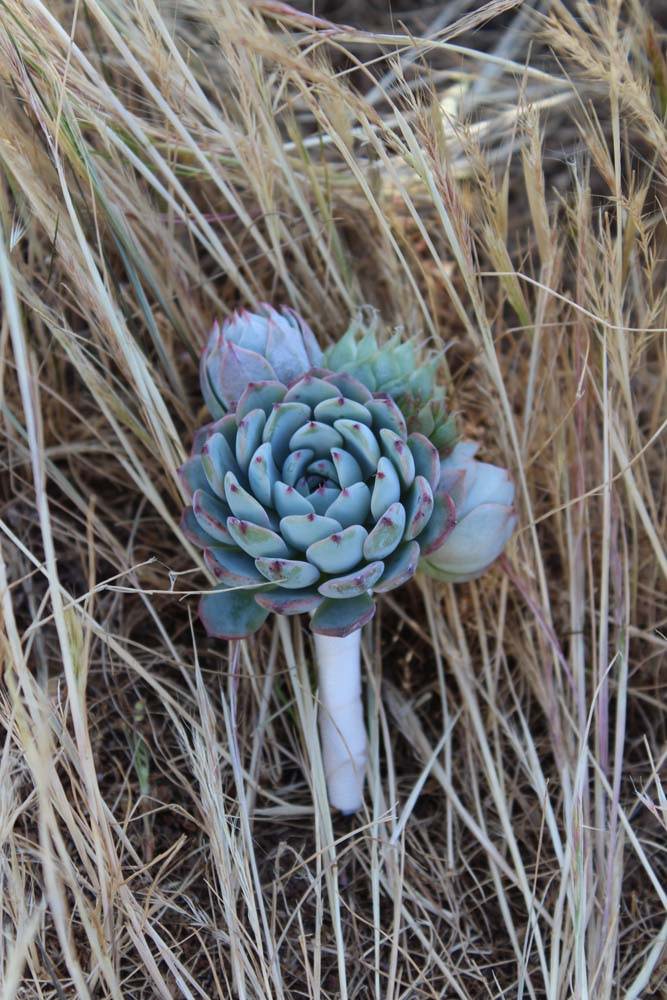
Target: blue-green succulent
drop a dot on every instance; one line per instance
(310, 498)
(395, 366)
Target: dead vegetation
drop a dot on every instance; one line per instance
(492, 177)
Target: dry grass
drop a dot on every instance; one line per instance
(493, 177)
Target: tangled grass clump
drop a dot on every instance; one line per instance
(493, 184)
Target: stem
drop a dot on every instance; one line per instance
(342, 730)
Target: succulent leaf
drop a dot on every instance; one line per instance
(340, 408)
(352, 505)
(441, 523)
(290, 602)
(319, 437)
(386, 489)
(302, 530)
(259, 395)
(249, 437)
(387, 533)
(340, 552)
(361, 443)
(323, 498)
(426, 459)
(256, 540)
(349, 386)
(347, 468)
(418, 507)
(231, 614)
(353, 584)
(232, 567)
(218, 459)
(263, 474)
(288, 354)
(396, 450)
(211, 515)
(231, 370)
(311, 390)
(193, 530)
(243, 504)
(289, 573)
(287, 500)
(296, 464)
(339, 618)
(225, 426)
(385, 413)
(192, 475)
(399, 567)
(324, 469)
(283, 421)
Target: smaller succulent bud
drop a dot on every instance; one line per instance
(255, 347)
(396, 367)
(483, 495)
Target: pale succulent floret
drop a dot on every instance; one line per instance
(309, 499)
(251, 347)
(483, 496)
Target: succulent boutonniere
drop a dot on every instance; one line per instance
(326, 479)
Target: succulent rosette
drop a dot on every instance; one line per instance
(311, 497)
(483, 498)
(394, 366)
(250, 347)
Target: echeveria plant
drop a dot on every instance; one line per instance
(254, 347)
(322, 481)
(483, 497)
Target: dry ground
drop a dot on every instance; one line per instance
(493, 178)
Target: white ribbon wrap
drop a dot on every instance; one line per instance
(341, 719)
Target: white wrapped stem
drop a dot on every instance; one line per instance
(341, 719)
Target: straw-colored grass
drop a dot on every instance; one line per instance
(493, 178)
